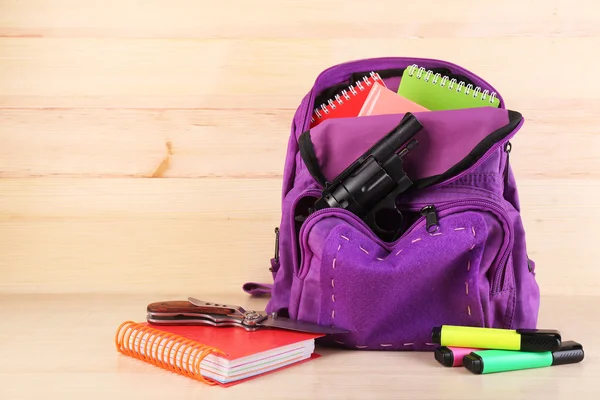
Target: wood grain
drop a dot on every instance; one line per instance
(63, 344)
(236, 143)
(296, 19)
(135, 142)
(120, 235)
(252, 73)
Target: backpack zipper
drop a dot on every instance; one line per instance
(431, 218)
(276, 256)
(507, 149)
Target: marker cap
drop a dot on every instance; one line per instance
(539, 339)
(452, 356)
(436, 334)
(474, 363)
(570, 352)
(444, 356)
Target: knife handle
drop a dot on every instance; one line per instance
(182, 306)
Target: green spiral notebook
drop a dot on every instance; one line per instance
(437, 92)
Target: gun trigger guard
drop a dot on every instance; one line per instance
(391, 214)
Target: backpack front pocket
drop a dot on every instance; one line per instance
(390, 295)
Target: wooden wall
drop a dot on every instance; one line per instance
(142, 143)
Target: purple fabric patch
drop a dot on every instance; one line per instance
(434, 288)
(446, 138)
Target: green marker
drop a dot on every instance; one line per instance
(490, 361)
(497, 339)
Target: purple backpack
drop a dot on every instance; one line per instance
(461, 258)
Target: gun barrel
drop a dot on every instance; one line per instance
(392, 142)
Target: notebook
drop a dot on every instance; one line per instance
(348, 103)
(436, 92)
(382, 100)
(221, 356)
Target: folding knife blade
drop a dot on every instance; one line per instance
(300, 326)
(194, 320)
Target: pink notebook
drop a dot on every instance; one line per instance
(382, 100)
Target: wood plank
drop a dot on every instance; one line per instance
(133, 143)
(120, 235)
(236, 143)
(269, 73)
(295, 19)
(188, 235)
(163, 73)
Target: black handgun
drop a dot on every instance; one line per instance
(369, 187)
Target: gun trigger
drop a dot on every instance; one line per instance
(385, 219)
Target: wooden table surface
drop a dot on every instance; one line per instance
(141, 155)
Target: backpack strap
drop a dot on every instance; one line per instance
(309, 156)
(257, 289)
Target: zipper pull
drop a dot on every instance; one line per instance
(507, 149)
(430, 214)
(276, 256)
(275, 260)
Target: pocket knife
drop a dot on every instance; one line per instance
(198, 312)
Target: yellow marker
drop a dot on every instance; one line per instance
(494, 338)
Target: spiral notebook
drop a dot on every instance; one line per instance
(348, 103)
(436, 92)
(221, 356)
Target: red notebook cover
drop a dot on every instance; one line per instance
(347, 103)
(167, 347)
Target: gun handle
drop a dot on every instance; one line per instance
(385, 219)
(386, 223)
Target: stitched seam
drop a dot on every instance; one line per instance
(333, 279)
(469, 269)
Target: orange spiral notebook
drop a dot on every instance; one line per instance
(221, 356)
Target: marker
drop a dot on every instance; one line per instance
(490, 361)
(497, 339)
(452, 356)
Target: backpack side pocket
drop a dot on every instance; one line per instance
(390, 295)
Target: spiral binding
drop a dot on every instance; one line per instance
(420, 71)
(130, 336)
(325, 108)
